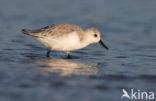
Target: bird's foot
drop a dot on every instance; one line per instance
(48, 53)
(68, 56)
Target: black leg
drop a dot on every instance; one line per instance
(68, 56)
(48, 53)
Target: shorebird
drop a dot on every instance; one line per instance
(65, 37)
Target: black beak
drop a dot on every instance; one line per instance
(100, 42)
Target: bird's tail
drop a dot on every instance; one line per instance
(25, 31)
(28, 32)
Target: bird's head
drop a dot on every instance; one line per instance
(93, 36)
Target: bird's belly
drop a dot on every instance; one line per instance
(66, 43)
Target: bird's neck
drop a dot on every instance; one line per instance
(85, 42)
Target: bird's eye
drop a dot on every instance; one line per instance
(95, 35)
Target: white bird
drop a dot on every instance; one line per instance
(65, 37)
(125, 94)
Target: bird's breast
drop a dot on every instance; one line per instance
(63, 43)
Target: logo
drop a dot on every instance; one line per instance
(137, 94)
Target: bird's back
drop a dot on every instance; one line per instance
(54, 30)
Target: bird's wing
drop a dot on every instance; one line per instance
(56, 30)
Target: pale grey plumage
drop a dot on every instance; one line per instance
(54, 30)
(65, 37)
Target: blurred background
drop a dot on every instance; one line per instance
(128, 28)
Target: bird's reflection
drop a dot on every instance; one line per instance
(65, 67)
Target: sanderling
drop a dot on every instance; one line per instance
(65, 37)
